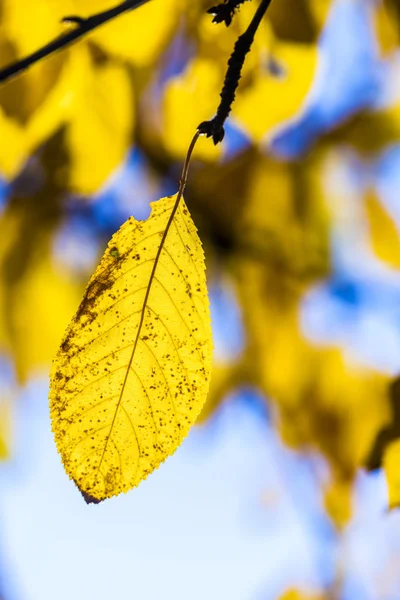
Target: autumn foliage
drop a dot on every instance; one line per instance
(277, 223)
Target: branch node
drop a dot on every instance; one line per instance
(73, 19)
(212, 128)
(223, 13)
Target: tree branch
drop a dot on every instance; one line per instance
(215, 127)
(83, 26)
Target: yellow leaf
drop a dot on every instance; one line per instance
(139, 36)
(132, 373)
(31, 283)
(295, 21)
(338, 501)
(7, 398)
(182, 114)
(30, 25)
(273, 100)
(47, 93)
(384, 234)
(386, 28)
(320, 10)
(293, 594)
(101, 120)
(225, 378)
(47, 292)
(392, 471)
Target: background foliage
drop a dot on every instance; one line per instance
(298, 211)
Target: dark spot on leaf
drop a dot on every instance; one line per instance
(115, 252)
(89, 499)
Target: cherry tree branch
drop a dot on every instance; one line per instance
(215, 127)
(82, 27)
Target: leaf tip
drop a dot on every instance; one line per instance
(88, 498)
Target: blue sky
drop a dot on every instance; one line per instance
(217, 520)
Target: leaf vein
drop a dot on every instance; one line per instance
(163, 374)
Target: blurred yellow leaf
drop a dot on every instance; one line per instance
(31, 284)
(391, 463)
(132, 373)
(30, 25)
(225, 377)
(101, 121)
(338, 501)
(138, 36)
(299, 21)
(48, 293)
(325, 402)
(6, 414)
(320, 10)
(386, 449)
(390, 430)
(188, 100)
(285, 218)
(293, 594)
(46, 94)
(276, 222)
(386, 27)
(385, 236)
(5, 427)
(80, 88)
(274, 99)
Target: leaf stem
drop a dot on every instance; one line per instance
(82, 26)
(185, 170)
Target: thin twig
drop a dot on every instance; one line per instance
(83, 26)
(215, 127)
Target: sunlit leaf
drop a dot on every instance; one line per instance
(138, 36)
(392, 471)
(325, 402)
(224, 379)
(7, 398)
(320, 10)
(48, 293)
(202, 79)
(46, 94)
(386, 26)
(338, 501)
(30, 25)
(100, 124)
(296, 20)
(5, 429)
(293, 594)
(278, 94)
(385, 237)
(31, 283)
(390, 431)
(386, 448)
(132, 372)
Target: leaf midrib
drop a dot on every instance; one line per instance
(141, 321)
